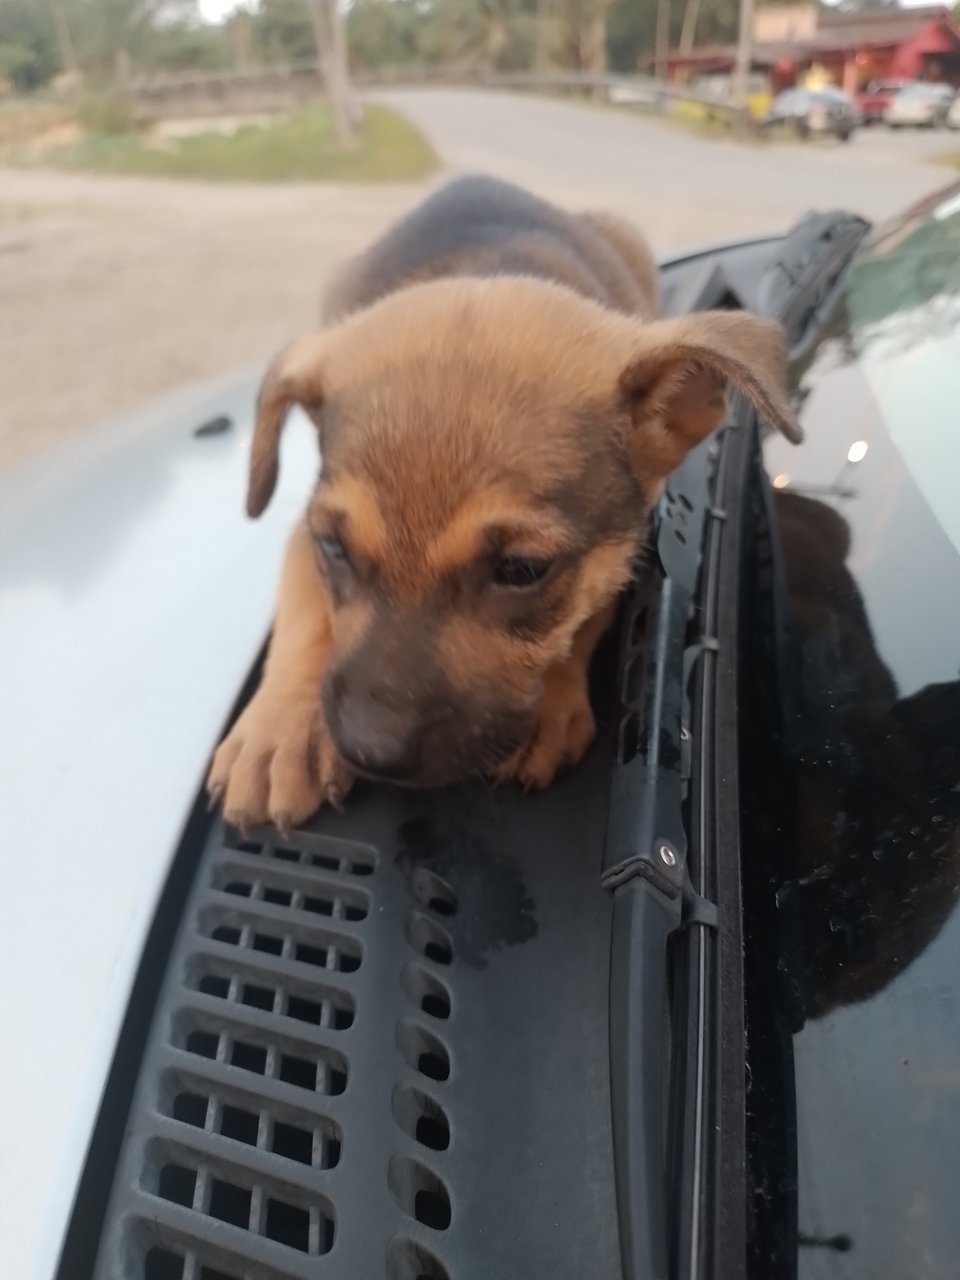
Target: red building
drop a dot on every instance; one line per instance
(852, 47)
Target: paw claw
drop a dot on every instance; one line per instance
(277, 765)
(214, 795)
(239, 821)
(564, 730)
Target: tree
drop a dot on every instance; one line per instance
(28, 47)
(631, 38)
(386, 33)
(284, 31)
(332, 51)
(65, 45)
(111, 36)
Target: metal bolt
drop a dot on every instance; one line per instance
(667, 856)
(684, 734)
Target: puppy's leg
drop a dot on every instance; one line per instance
(565, 725)
(278, 763)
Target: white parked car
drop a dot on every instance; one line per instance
(814, 112)
(919, 105)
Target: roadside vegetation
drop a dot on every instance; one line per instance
(98, 41)
(300, 147)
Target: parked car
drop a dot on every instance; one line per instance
(692, 1012)
(923, 106)
(953, 114)
(630, 91)
(872, 102)
(814, 112)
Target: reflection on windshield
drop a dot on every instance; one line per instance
(869, 932)
(877, 869)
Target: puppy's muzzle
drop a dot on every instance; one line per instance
(397, 731)
(378, 732)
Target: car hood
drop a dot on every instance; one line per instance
(134, 598)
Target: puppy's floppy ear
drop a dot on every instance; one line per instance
(294, 377)
(676, 384)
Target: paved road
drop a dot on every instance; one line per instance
(123, 288)
(683, 187)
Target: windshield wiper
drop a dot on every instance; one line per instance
(801, 282)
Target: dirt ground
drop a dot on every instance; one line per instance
(115, 289)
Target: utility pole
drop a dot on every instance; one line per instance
(688, 32)
(662, 47)
(741, 73)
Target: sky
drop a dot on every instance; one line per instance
(214, 10)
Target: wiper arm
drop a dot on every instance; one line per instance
(800, 283)
(645, 863)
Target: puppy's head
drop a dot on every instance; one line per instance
(491, 452)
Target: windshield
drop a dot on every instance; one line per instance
(880, 399)
(865, 877)
(904, 310)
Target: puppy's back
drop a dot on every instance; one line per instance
(479, 226)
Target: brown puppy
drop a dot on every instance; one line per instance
(497, 413)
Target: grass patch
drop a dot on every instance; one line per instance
(297, 148)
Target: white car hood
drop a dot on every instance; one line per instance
(134, 598)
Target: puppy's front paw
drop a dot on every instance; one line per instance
(564, 730)
(277, 764)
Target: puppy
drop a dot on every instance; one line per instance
(497, 412)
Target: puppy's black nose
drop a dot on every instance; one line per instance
(376, 737)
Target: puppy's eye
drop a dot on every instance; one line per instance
(332, 548)
(520, 571)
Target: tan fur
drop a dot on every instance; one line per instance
(466, 421)
(278, 759)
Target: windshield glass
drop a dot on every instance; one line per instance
(880, 402)
(864, 861)
(904, 311)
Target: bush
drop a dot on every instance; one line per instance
(105, 113)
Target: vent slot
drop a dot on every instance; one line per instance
(259, 881)
(325, 853)
(286, 1131)
(309, 944)
(433, 892)
(429, 938)
(421, 1117)
(162, 1264)
(427, 991)
(423, 1050)
(278, 1056)
(297, 998)
(240, 1197)
(419, 1193)
(409, 1261)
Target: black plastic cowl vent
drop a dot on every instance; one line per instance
(380, 1051)
(232, 1164)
